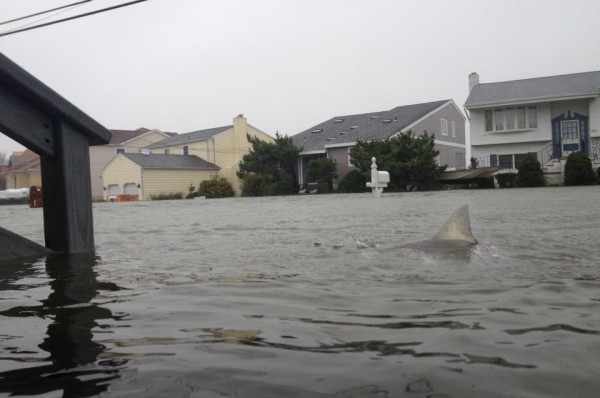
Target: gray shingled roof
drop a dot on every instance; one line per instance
(538, 89)
(194, 136)
(160, 161)
(363, 127)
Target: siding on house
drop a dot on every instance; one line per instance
(156, 182)
(450, 147)
(340, 155)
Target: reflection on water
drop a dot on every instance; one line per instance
(293, 296)
(68, 340)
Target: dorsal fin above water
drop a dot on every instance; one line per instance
(458, 227)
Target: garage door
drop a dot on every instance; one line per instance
(130, 188)
(113, 190)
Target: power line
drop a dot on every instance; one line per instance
(44, 12)
(71, 18)
(69, 8)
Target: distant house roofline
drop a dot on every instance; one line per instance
(540, 89)
(346, 130)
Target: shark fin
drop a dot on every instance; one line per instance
(458, 227)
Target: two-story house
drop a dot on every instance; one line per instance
(547, 116)
(221, 146)
(334, 138)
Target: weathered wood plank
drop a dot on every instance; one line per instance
(68, 221)
(18, 116)
(30, 89)
(15, 246)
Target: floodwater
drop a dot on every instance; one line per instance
(291, 297)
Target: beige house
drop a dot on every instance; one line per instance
(222, 146)
(23, 170)
(145, 175)
(122, 141)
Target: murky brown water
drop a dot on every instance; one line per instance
(289, 296)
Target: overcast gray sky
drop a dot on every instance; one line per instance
(185, 65)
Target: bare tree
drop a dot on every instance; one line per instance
(2, 158)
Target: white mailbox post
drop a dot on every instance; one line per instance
(379, 180)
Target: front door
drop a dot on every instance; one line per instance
(569, 131)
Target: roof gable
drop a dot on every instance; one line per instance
(29, 164)
(363, 127)
(121, 136)
(549, 88)
(194, 136)
(160, 161)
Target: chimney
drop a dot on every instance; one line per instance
(473, 80)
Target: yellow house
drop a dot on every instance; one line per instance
(147, 175)
(223, 146)
(122, 141)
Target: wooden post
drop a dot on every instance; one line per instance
(68, 224)
(35, 116)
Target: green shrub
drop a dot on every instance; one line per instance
(578, 170)
(253, 184)
(507, 180)
(216, 187)
(353, 182)
(530, 173)
(283, 187)
(167, 196)
(192, 193)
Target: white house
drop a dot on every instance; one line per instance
(548, 116)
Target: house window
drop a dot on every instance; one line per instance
(532, 116)
(499, 116)
(453, 128)
(120, 150)
(444, 127)
(167, 151)
(505, 161)
(186, 150)
(350, 157)
(510, 118)
(489, 120)
(570, 129)
(520, 117)
(519, 158)
(493, 160)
